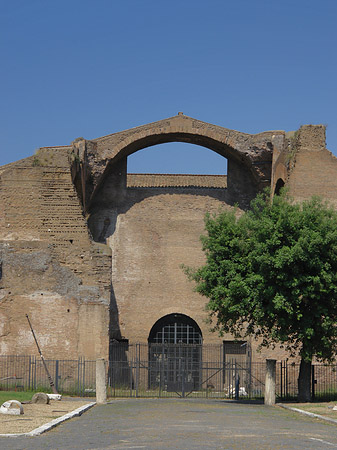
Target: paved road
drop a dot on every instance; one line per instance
(183, 424)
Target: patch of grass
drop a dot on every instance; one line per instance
(21, 396)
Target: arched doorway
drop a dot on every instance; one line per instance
(175, 354)
(279, 185)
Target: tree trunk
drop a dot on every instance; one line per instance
(304, 381)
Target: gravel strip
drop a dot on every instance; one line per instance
(53, 423)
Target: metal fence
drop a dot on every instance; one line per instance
(176, 378)
(323, 381)
(27, 373)
(167, 371)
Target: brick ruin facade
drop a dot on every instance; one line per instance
(94, 254)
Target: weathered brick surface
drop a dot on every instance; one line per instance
(314, 168)
(155, 233)
(171, 180)
(51, 267)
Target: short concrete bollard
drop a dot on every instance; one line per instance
(100, 381)
(11, 407)
(269, 390)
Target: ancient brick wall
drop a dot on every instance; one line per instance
(172, 180)
(157, 230)
(60, 207)
(314, 168)
(51, 269)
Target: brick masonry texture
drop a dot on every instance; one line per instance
(92, 253)
(171, 180)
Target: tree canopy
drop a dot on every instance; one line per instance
(271, 273)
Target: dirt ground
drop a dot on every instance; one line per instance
(36, 415)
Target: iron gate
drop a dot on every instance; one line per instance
(168, 370)
(175, 367)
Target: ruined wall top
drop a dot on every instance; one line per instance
(266, 156)
(254, 152)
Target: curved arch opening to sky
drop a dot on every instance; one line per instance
(177, 158)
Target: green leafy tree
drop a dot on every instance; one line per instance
(271, 273)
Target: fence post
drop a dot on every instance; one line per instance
(57, 375)
(269, 391)
(78, 376)
(206, 379)
(34, 385)
(237, 387)
(131, 376)
(182, 366)
(83, 375)
(313, 381)
(100, 381)
(286, 379)
(29, 371)
(281, 379)
(137, 367)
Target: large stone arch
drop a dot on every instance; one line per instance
(152, 230)
(249, 156)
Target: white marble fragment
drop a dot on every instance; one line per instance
(11, 407)
(54, 396)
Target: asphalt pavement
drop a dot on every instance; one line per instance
(183, 424)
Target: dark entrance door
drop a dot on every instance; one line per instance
(175, 354)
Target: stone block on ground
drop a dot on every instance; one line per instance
(54, 396)
(11, 407)
(40, 398)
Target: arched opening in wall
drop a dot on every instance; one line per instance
(175, 354)
(279, 185)
(176, 163)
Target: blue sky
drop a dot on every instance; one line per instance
(90, 68)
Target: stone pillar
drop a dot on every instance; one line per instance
(269, 390)
(100, 381)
